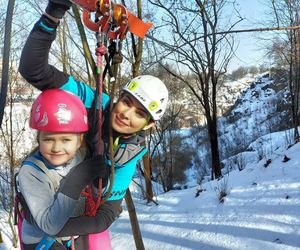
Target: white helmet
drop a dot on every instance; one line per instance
(150, 92)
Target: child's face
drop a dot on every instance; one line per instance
(59, 148)
(129, 116)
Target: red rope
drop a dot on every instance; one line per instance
(100, 52)
(93, 203)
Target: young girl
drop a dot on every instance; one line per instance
(142, 102)
(51, 199)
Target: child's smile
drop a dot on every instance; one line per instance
(59, 148)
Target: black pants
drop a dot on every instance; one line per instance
(81, 243)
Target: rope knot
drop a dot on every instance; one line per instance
(92, 203)
(101, 51)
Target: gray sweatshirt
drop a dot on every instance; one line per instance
(49, 209)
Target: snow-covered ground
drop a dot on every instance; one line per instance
(260, 211)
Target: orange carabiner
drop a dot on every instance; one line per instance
(104, 15)
(121, 20)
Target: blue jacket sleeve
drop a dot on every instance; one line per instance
(84, 92)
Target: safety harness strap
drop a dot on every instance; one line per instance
(42, 166)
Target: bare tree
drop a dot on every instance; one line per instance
(13, 143)
(169, 157)
(287, 51)
(201, 53)
(4, 84)
(6, 54)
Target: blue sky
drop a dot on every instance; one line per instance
(250, 50)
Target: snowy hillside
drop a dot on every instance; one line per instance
(230, 91)
(260, 211)
(259, 111)
(261, 108)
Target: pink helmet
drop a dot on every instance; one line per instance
(56, 110)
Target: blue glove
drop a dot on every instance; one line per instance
(58, 8)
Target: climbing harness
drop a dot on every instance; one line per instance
(21, 209)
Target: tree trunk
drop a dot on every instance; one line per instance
(147, 167)
(138, 52)
(86, 49)
(214, 146)
(6, 54)
(11, 173)
(293, 85)
(4, 84)
(134, 222)
(295, 42)
(63, 46)
(135, 62)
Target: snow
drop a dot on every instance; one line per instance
(261, 211)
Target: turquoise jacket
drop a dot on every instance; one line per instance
(126, 154)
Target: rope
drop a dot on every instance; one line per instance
(116, 60)
(92, 204)
(101, 50)
(72, 243)
(112, 56)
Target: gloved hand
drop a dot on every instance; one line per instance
(58, 8)
(82, 175)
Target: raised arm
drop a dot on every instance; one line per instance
(34, 66)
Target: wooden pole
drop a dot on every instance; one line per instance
(134, 222)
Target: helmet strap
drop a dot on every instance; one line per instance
(148, 119)
(116, 143)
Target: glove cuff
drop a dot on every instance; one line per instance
(56, 10)
(48, 22)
